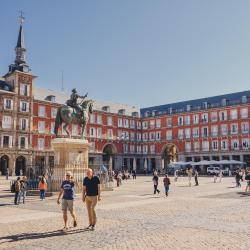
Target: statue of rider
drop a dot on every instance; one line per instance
(72, 102)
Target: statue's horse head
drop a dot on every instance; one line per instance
(87, 105)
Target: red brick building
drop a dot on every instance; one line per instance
(213, 128)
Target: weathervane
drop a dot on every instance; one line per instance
(21, 17)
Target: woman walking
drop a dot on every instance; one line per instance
(166, 182)
(155, 181)
(42, 187)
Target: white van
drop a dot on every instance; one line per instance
(213, 170)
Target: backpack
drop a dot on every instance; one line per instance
(13, 187)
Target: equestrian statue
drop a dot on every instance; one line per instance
(74, 113)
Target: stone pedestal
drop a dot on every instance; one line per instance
(70, 155)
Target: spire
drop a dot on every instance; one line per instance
(20, 61)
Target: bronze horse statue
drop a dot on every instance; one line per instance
(69, 115)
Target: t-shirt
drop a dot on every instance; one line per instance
(68, 190)
(91, 185)
(155, 180)
(166, 181)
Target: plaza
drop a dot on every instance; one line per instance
(209, 216)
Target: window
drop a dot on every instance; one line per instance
(245, 143)
(109, 121)
(152, 136)
(187, 146)
(23, 89)
(145, 136)
(224, 145)
(99, 132)
(6, 141)
(205, 146)
(53, 112)
(215, 145)
(223, 115)
(138, 124)
(23, 124)
(204, 118)
(138, 149)
(169, 135)
(234, 114)
(92, 132)
(52, 128)
(235, 144)
(195, 132)
(145, 149)
(187, 120)
(244, 127)
(244, 113)
(24, 106)
(8, 104)
(195, 119)
(41, 127)
(126, 124)
(158, 136)
(196, 146)
(158, 123)
(152, 124)
(180, 121)
(99, 119)
(169, 122)
(205, 132)
(132, 148)
(187, 133)
(234, 128)
(75, 130)
(138, 136)
(152, 149)
(22, 142)
(7, 121)
(144, 125)
(224, 129)
(40, 143)
(132, 123)
(110, 134)
(92, 118)
(120, 123)
(180, 133)
(41, 111)
(214, 130)
(214, 117)
(125, 148)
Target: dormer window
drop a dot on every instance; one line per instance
(244, 99)
(121, 112)
(51, 98)
(106, 108)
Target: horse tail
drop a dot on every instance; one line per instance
(58, 121)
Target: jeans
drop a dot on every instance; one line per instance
(42, 194)
(156, 189)
(91, 202)
(17, 194)
(166, 190)
(22, 193)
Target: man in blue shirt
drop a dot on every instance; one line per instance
(67, 190)
(91, 193)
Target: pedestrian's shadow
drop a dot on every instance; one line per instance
(32, 236)
(244, 194)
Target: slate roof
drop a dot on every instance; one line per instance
(196, 104)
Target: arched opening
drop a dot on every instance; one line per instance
(20, 165)
(108, 157)
(4, 164)
(169, 154)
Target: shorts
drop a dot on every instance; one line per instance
(68, 204)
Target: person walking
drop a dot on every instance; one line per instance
(166, 182)
(247, 178)
(17, 185)
(176, 175)
(220, 175)
(42, 186)
(155, 182)
(91, 194)
(23, 190)
(134, 174)
(238, 178)
(189, 173)
(7, 174)
(68, 195)
(196, 177)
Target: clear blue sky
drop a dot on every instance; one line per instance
(138, 52)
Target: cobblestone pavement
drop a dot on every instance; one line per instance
(209, 216)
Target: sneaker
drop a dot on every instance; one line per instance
(65, 229)
(92, 227)
(89, 227)
(75, 223)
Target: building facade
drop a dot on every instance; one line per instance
(125, 137)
